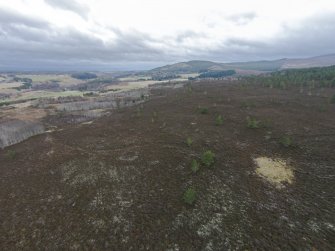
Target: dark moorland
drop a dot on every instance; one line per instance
(118, 183)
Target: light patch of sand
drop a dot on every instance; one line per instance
(275, 171)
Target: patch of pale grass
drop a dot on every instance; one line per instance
(275, 171)
(87, 123)
(10, 85)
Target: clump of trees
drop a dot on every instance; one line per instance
(26, 83)
(86, 105)
(52, 85)
(84, 75)
(310, 78)
(27, 80)
(15, 131)
(4, 96)
(164, 76)
(217, 74)
(81, 116)
(4, 104)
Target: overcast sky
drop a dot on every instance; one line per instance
(140, 34)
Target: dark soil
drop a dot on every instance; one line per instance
(118, 183)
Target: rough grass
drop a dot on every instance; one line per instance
(63, 79)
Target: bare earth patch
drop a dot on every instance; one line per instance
(275, 171)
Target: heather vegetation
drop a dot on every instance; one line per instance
(200, 162)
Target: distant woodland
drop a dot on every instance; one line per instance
(311, 77)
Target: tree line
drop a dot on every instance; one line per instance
(311, 77)
(217, 74)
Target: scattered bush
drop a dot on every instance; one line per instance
(25, 85)
(11, 154)
(208, 158)
(322, 108)
(253, 123)
(90, 94)
(267, 123)
(4, 104)
(247, 104)
(189, 141)
(219, 120)
(189, 89)
(190, 196)
(203, 110)
(195, 166)
(286, 141)
(332, 100)
(138, 112)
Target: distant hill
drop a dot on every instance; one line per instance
(264, 65)
(191, 66)
(319, 61)
(246, 67)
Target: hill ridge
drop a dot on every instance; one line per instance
(260, 65)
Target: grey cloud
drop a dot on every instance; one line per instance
(189, 34)
(70, 5)
(133, 42)
(15, 26)
(42, 44)
(242, 18)
(246, 44)
(72, 44)
(10, 17)
(27, 42)
(314, 37)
